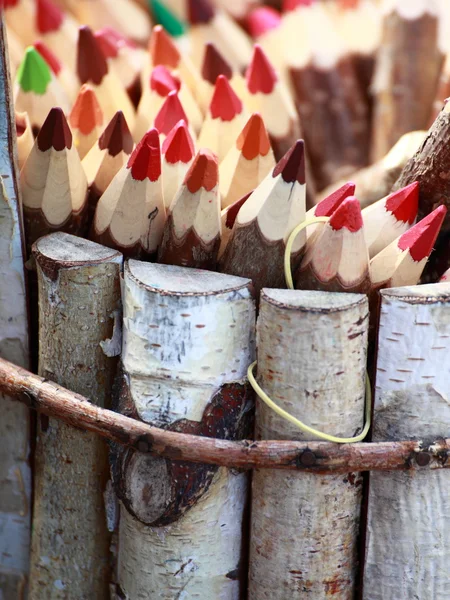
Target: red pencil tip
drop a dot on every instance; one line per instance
(204, 171)
(214, 64)
(404, 203)
(162, 49)
(55, 132)
(253, 139)
(290, 5)
(419, 240)
(178, 145)
(86, 112)
(292, 164)
(117, 136)
(262, 19)
(107, 42)
(169, 114)
(327, 206)
(48, 56)
(200, 11)
(225, 104)
(348, 215)
(260, 76)
(48, 16)
(91, 64)
(145, 160)
(10, 3)
(163, 82)
(233, 210)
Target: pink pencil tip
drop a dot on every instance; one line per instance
(419, 240)
(169, 114)
(178, 145)
(348, 215)
(145, 160)
(404, 203)
(262, 19)
(163, 82)
(261, 75)
(327, 206)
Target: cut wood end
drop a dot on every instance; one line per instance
(428, 293)
(315, 301)
(70, 250)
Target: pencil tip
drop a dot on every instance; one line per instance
(145, 160)
(291, 167)
(49, 57)
(178, 145)
(48, 16)
(117, 136)
(55, 132)
(167, 18)
(169, 114)
(162, 49)
(404, 203)
(204, 172)
(348, 215)
(91, 63)
(163, 82)
(260, 75)
(86, 113)
(108, 42)
(327, 206)
(419, 240)
(33, 74)
(214, 64)
(253, 139)
(200, 11)
(231, 212)
(225, 104)
(262, 19)
(290, 5)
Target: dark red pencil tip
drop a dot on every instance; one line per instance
(348, 215)
(162, 49)
(48, 56)
(116, 137)
(91, 63)
(327, 206)
(204, 172)
(419, 240)
(262, 19)
(404, 203)
(233, 210)
(178, 145)
(214, 64)
(292, 164)
(225, 104)
(48, 16)
(260, 75)
(145, 160)
(163, 82)
(200, 11)
(169, 114)
(55, 132)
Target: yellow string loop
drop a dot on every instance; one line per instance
(273, 405)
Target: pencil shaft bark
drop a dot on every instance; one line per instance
(408, 540)
(15, 475)
(303, 540)
(79, 302)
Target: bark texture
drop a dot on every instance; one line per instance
(304, 528)
(408, 538)
(15, 475)
(188, 340)
(79, 305)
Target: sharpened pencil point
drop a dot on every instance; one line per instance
(225, 103)
(86, 113)
(145, 160)
(162, 49)
(169, 114)
(263, 19)
(204, 172)
(292, 164)
(48, 16)
(214, 64)
(347, 215)
(290, 5)
(48, 56)
(404, 203)
(327, 206)
(253, 139)
(260, 76)
(91, 63)
(116, 137)
(55, 132)
(178, 145)
(107, 40)
(163, 82)
(419, 240)
(33, 74)
(200, 11)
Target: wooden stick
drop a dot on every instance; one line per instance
(86, 120)
(304, 530)
(410, 512)
(15, 472)
(177, 155)
(187, 535)
(78, 340)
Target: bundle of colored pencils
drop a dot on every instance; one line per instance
(200, 135)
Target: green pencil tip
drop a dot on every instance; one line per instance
(33, 74)
(165, 17)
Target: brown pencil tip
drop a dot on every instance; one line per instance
(347, 215)
(117, 136)
(327, 206)
(200, 12)
(253, 139)
(214, 64)
(292, 164)
(162, 49)
(91, 63)
(55, 132)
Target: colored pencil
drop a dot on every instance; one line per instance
(58, 30)
(130, 215)
(228, 218)
(170, 113)
(192, 231)
(25, 138)
(86, 120)
(63, 74)
(177, 155)
(20, 18)
(264, 24)
(247, 162)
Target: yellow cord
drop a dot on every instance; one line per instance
(262, 394)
